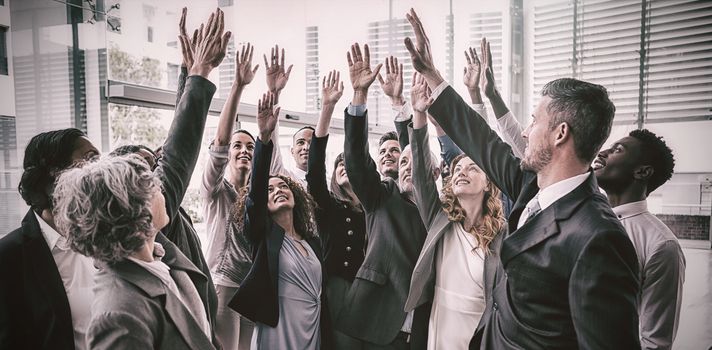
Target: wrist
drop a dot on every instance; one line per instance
(360, 97)
(433, 78)
(397, 101)
(203, 70)
(475, 96)
(265, 136)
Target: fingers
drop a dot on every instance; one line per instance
(289, 71)
(411, 48)
(415, 79)
(276, 112)
(380, 78)
(282, 62)
(249, 58)
(388, 65)
(373, 75)
(367, 55)
(323, 82)
(265, 57)
(489, 55)
(194, 40)
(255, 69)
(476, 60)
(358, 57)
(348, 58)
(341, 87)
(181, 24)
(467, 56)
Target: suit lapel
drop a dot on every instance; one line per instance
(545, 224)
(189, 329)
(40, 267)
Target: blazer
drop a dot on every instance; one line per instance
(566, 279)
(373, 307)
(257, 297)
(422, 283)
(341, 227)
(34, 310)
(134, 310)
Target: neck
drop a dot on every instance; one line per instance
(145, 253)
(285, 220)
(630, 194)
(302, 167)
(556, 172)
(473, 210)
(47, 216)
(238, 178)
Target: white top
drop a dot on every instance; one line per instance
(459, 298)
(547, 196)
(77, 272)
(662, 274)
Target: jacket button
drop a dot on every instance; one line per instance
(350, 232)
(494, 306)
(348, 249)
(348, 219)
(346, 264)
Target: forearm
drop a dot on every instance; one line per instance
(360, 168)
(360, 97)
(498, 106)
(316, 171)
(424, 186)
(228, 116)
(322, 125)
(475, 95)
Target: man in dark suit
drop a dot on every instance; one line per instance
(373, 313)
(45, 294)
(568, 273)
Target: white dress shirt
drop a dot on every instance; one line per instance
(547, 196)
(77, 272)
(662, 274)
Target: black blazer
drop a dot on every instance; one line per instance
(568, 278)
(34, 310)
(256, 298)
(341, 227)
(373, 309)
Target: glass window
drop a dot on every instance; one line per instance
(3, 51)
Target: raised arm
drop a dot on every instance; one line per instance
(331, 92)
(469, 131)
(360, 168)
(277, 77)
(180, 152)
(257, 217)
(392, 87)
(425, 189)
(215, 169)
(187, 55)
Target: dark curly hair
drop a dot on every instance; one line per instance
(656, 153)
(304, 220)
(46, 155)
(492, 212)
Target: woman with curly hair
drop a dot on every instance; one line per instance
(282, 293)
(147, 295)
(461, 228)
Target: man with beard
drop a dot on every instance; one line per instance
(374, 315)
(568, 274)
(629, 171)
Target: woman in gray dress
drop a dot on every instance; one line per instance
(282, 293)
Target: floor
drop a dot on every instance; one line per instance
(695, 329)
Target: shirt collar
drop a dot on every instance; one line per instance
(554, 192)
(631, 209)
(50, 235)
(301, 174)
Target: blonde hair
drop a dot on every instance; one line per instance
(492, 213)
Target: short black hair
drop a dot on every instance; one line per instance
(391, 135)
(244, 132)
(586, 108)
(46, 155)
(130, 149)
(656, 153)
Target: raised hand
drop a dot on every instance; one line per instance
(266, 116)
(393, 84)
(210, 45)
(487, 83)
(472, 70)
(360, 68)
(420, 53)
(277, 76)
(244, 72)
(420, 94)
(331, 88)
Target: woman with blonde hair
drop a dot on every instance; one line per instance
(462, 226)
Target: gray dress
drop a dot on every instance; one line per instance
(299, 292)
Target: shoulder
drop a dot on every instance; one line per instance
(11, 242)
(113, 294)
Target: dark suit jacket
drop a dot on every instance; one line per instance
(34, 310)
(257, 297)
(133, 309)
(373, 309)
(568, 278)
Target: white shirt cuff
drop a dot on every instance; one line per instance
(439, 90)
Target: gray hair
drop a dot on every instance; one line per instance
(104, 207)
(586, 108)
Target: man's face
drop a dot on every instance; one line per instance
(405, 179)
(388, 154)
(615, 167)
(84, 150)
(240, 155)
(539, 150)
(300, 147)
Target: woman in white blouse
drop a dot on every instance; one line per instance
(461, 226)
